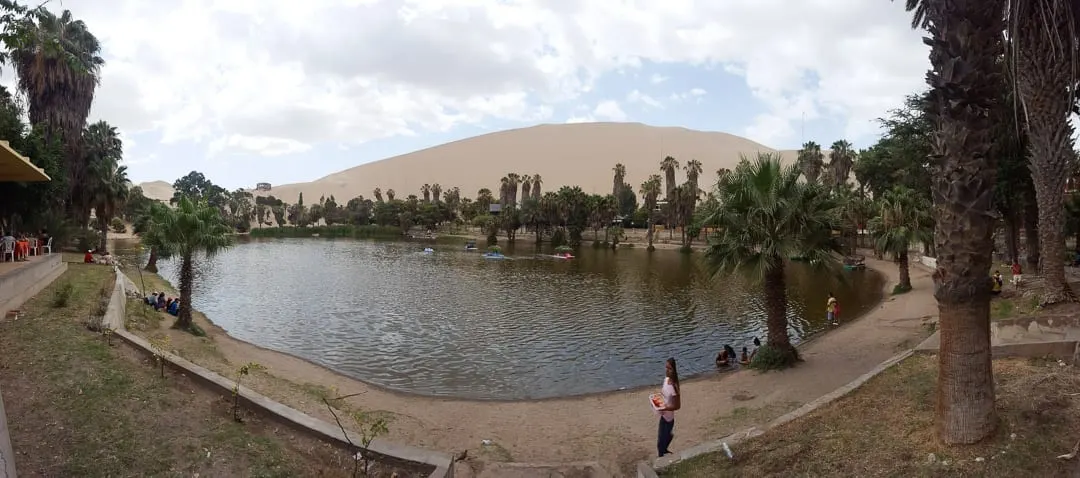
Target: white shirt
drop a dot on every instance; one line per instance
(669, 393)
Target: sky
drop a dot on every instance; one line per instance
(283, 91)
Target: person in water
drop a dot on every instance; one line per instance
(998, 282)
(832, 309)
(722, 359)
(672, 403)
(746, 357)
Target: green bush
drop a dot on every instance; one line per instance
(62, 295)
(770, 358)
(117, 225)
(85, 239)
(900, 289)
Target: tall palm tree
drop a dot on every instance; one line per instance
(389, 195)
(902, 220)
(436, 192)
(151, 237)
(514, 180)
(693, 172)
(1046, 68)
(841, 159)
(965, 39)
(811, 161)
(378, 194)
(854, 212)
(484, 200)
(650, 193)
(668, 166)
(536, 183)
(190, 229)
(109, 192)
(764, 216)
(105, 187)
(426, 191)
(619, 180)
(526, 187)
(504, 191)
(58, 63)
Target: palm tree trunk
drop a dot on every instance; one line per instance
(965, 36)
(1043, 74)
(905, 271)
(776, 310)
(649, 233)
(103, 242)
(1012, 237)
(151, 264)
(1031, 233)
(187, 276)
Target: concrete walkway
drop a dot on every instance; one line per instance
(1056, 335)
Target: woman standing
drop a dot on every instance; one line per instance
(670, 392)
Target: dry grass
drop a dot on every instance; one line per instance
(886, 429)
(78, 406)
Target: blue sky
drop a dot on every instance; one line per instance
(258, 91)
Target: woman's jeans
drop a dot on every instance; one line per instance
(664, 436)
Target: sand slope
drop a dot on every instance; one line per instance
(581, 154)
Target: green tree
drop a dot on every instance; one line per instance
(811, 161)
(902, 220)
(765, 215)
(192, 228)
(650, 192)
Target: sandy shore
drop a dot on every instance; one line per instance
(616, 428)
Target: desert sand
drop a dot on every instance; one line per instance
(581, 154)
(618, 428)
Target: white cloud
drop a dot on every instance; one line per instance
(609, 110)
(694, 94)
(637, 96)
(273, 78)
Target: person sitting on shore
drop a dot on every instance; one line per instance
(160, 304)
(745, 360)
(88, 258)
(151, 299)
(995, 287)
(174, 307)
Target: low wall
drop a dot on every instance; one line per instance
(114, 318)
(7, 454)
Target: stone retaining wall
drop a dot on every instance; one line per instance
(114, 318)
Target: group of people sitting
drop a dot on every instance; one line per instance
(727, 356)
(105, 258)
(19, 245)
(160, 302)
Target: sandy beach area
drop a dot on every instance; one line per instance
(617, 428)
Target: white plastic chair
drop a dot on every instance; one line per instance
(33, 246)
(7, 248)
(48, 247)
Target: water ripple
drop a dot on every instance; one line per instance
(453, 324)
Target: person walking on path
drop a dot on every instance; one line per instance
(832, 310)
(1017, 275)
(670, 392)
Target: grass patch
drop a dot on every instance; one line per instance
(744, 417)
(77, 406)
(62, 294)
(1014, 306)
(886, 428)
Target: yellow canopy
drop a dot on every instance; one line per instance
(15, 167)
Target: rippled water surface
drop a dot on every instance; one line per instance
(455, 324)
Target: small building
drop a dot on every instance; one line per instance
(262, 187)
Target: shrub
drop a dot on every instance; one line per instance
(117, 225)
(62, 295)
(770, 358)
(86, 239)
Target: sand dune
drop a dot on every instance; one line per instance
(581, 154)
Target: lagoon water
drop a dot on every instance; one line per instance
(454, 324)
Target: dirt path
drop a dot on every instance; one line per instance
(619, 428)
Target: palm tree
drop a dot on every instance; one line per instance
(902, 220)
(109, 192)
(484, 199)
(668, 166)
(854, 212)
(513, 180)
(426, 191)
(190, 229)
(378, 195)
(504, 191)
(526, 187)
(153, 238)
(965, 36)
(811, 161)
(537, 181)
(58, 65)
(765, 215)
(650, 192)
(1045, 55)
(841, 159)
(436, 192)
(693, 172)
(389, 194)
(620, 179)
